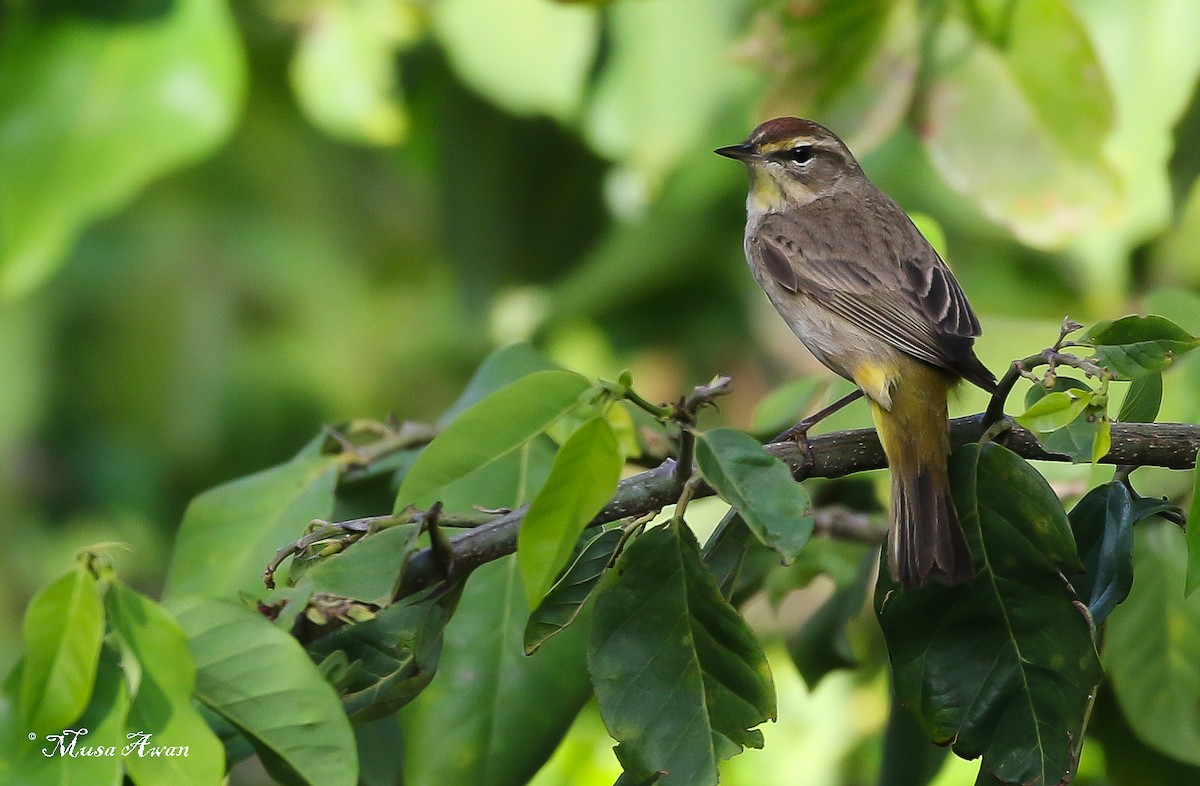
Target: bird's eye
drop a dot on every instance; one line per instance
(800, 154)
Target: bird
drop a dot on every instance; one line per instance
(866, 293)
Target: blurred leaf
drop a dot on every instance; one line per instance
(774, 506)
(505, 365)
(565, 600)
(786, 404)
(666, 76)
(1184, 165)
(1193, 537)
(1153, 644)
(821, 645)
(23, 763)
(63, 630)
(492, 429)
(1142, 400)
(1054, 410)
(493, 716)
(162, 699)
(388, 660)
(681, 682)
(370, 569)
(344, 70)
(1019, 128)
(737, 559)
(1015, 693)
(839, 560)
(1136, 346)
(583, 478)
(1103, 525)
(909, 758)
(91, 112)
(260, 679)
(1128, 760)
(537, 65)
(229, 533)
(853, 65)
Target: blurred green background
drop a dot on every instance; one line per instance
(224, 225)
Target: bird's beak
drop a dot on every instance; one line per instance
(742, 152)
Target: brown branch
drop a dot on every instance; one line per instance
(1170, 445)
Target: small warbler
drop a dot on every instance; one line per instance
(858, 284)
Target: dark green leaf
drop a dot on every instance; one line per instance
(821, 645)
(492, 716)
(63, 629)
(773, 505)
(91, 112)
(383, 663)
(909, 758)
(259, 679)
(738, 561)
(496, 427)
(680, 677)
(1134, 346)
(162, 700)
(1002, 667)
(1153, 646)
(1142, 400)
(563, 602)
(1103, 525)
(582, 479)
(229, 533)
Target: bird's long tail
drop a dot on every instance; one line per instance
(925, 539)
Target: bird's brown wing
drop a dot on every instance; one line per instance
(912, 302)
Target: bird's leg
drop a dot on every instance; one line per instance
(799, 432)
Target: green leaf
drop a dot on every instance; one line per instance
(229, 533)
(582, 479)
(344, 70)
(1054, 411)
(370, 569)
(91, 112)
(1016, 120)
(386, 661)
(504, 366)
(680, 677)
(1142, 400)
(1079, 438)
(853, 65)
(494, 428)
(63, 629)
(259, 679)
(821, 645)
(539, 66)
(1193, 537)
(774, 506)
(1136, 346)
(1002, 667)
(1103, 525)
(104, 721)
(1153, 646)
(161, 714)
(1134, 762)
(492, 716)
(738, 561)
(565, 600)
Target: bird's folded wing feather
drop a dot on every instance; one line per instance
(913, 303)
